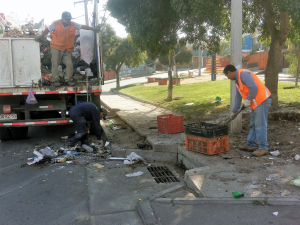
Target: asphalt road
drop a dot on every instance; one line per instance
(41, 194)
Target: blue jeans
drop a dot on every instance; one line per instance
(258, 126)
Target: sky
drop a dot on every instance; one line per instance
(51, 10)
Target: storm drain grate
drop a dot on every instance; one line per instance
(162, 174)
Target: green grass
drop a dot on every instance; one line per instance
(200, 94)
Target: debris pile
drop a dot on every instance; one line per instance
(46, 155)
(82, 71)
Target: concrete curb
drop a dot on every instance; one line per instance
(196, 201)
(161, 193)
(146, 212)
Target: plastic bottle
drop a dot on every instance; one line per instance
(70, 153)
(58, 160)
(237, 194)
(88, 148)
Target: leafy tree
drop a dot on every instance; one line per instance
(125, 53)
(207, 21)
(150, 62)
(182, 56)
(153, 25)
(293, 57)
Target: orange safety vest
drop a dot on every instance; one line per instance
(63, 39)
(262, 91)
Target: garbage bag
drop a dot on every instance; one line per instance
(87, 45)
(31, 98)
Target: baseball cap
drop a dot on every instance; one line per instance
(66, 15)
(104, 113)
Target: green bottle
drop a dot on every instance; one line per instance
(111, 122)
(237, 194)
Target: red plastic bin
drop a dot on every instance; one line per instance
(170, 124)
(207, 146)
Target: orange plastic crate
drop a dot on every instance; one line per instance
(207, 146)
(170, 124)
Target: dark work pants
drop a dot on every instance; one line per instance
(81, 127)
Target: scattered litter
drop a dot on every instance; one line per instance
(88, 148)
(271, 158)
(297, 157)
(152, 127)
(237, 194)
(139, 173)
(285, 193)
(48, 152)
(295, 182)
(116, 159)
(106, 144)
(60, 167)
(192, 103)
(114, 128)
(133, 157)
(70, 153)
(64, 137)
(99, 166)
(275, 153)
(58, 160)
(36, 159)
(275, 213)
(69, 162)
(272, 177)
(291, 142)
(111, 122)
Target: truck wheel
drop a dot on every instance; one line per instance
(4, 134)
(19, 132)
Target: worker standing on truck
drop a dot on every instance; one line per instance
(257, 96)
(62, 45)
(80, 114)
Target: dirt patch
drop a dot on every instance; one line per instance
(123, 136)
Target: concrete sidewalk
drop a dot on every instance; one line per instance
(140, 115)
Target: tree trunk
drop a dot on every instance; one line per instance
(298, 69)
(118, 79)
(278, 38)
(170, 86)
(271, 76)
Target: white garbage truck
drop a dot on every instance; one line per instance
(20, 70)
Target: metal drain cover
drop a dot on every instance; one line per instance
(162, 174)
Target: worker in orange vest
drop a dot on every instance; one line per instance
(257, 96)
(62, 45)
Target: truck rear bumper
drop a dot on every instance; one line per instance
(32, 123)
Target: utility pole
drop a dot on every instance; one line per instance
(85, 10)
(236, 56)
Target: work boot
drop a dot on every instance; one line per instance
(260, 153)
(246, 148)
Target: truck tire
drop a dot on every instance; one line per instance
(4, 134)
(19, 132)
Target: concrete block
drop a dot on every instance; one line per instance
(195, 178)
(161, 193)
(146, 212)
(170, 146)
(188, 164)
(193, 157)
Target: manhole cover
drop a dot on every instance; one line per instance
(162, 174)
